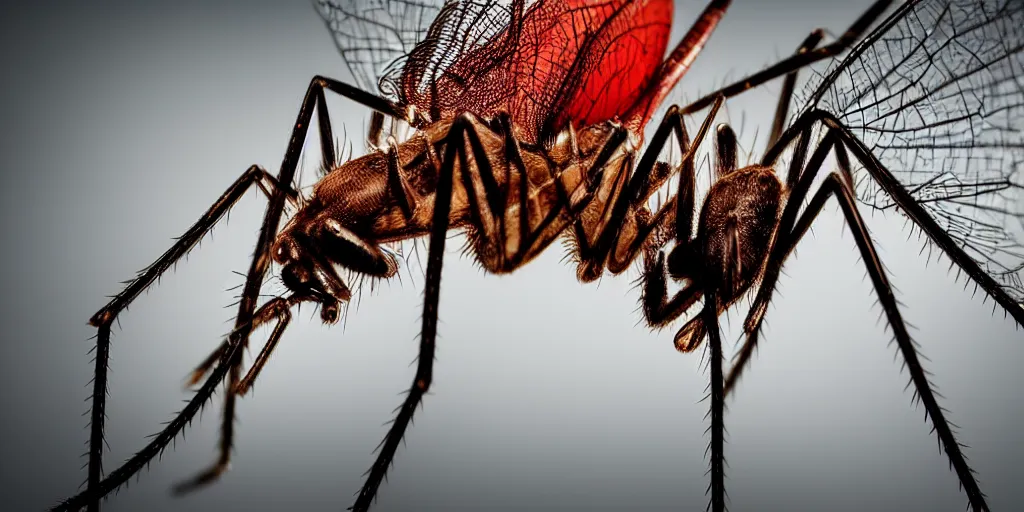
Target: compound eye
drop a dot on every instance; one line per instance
(285, 250)
(296, 277)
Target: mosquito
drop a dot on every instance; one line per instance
(527, 129)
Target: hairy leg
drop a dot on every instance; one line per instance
(837, 186)
(797, 61)
(97, 487)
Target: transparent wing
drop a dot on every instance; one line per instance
(937, 93)
(373, 34)
(458, 37)
(380, 40)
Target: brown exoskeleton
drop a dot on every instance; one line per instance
(513, 194)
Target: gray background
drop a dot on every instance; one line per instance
(121, 123)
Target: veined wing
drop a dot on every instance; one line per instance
(546, 63)
(373, 34)
(936, 92)
(377, 38)
(392, 47)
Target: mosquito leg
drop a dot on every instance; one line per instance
(378, 103)
(717, 446)
(247, 305)
(234, 385)
(400, 187)
(280, 310)
(627, 230)
(254, 175)
(788, 86)
(204, 367)
(431, 298)
(797, 61)
(659, 310)
(487, 204)
(802, 129)
(105, 317)
(779, 251)
(160, 441)
(909, 206)
(314, 93)
(632, 233)
(838, 186)
(531, 239)
(328, 160)
(275, 308)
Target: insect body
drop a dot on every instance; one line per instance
(390, 196)
(518, 145)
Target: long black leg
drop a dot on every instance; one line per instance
(247, 305)
(160, 441)
(788, 85)
(801, 131)
(838, 186)
(103, 319)
(658, 309)
(621, 250)
(487, 205)
(377, 103)
(315, 93)
(726, 157)
(326, 133)
(797, 61)
(275, 308)
(454, 148)
(280, 310)
(777, 255)
(91, 496)
(254, 175)
(906, 203)
(717, 412)
(618, 247)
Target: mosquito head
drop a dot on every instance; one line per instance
(306, 272)
(325, 235)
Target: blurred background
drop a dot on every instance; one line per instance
(123, 121)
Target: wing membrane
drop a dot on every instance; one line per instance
(937, 93)
(376, 38)
(373, 34)
(545, 63)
